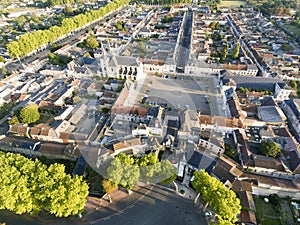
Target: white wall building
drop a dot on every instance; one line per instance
(122, 67)
(281, 93)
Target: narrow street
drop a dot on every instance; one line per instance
(184, 47)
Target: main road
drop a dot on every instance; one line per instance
(155, 205)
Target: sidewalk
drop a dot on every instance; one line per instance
(185, 191)
(101, 209)
(97, 210)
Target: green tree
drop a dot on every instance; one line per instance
(293, 84)
(91, 42)
(69, 194)
(269, 148)
(28, 186)
(148, 159)
(14, 120)
(29, 114)
(13, 49)
(119, 25)
(109, 187)
(285, 47)
(4, 71)
(155, 171)
(122, 173)
(68, 10)
(224, 53)
(212, 25)
(223, 201)
(20, 21)
(236, 50)
(146, 168)
(2, 59)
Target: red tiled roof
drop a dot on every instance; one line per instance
(129, 110)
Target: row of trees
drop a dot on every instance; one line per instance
(126, 170)
(29, 186)
(223, 201)
(60, 2)
(29, 42)
(164, 2)
(246, 90)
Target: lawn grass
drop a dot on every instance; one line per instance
(266, 213)
(293, 28)
(228, 4)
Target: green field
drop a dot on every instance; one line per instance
(232, 3)
(266, 213)
(293, 28)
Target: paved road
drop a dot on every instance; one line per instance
(151, 205)
(187, 92)
(184, 48)
(159, 206)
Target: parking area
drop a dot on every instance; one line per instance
(182, 92)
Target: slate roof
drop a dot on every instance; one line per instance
(126, 61)
(267, 162)
(254, 82)
(294, 161)
(201, 161)
(294, 106)
(153, 111)
(88, 60)
(268, 101)
(170, 61)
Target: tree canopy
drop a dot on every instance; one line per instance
(29, 114)
(14, 120)
(223, 201)
(126, 170)
(293, 84)
(236, 50)
(2, 59)
(123, 173)
(28, 186)
(269, 148)
(108, 186)
(91, 42)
